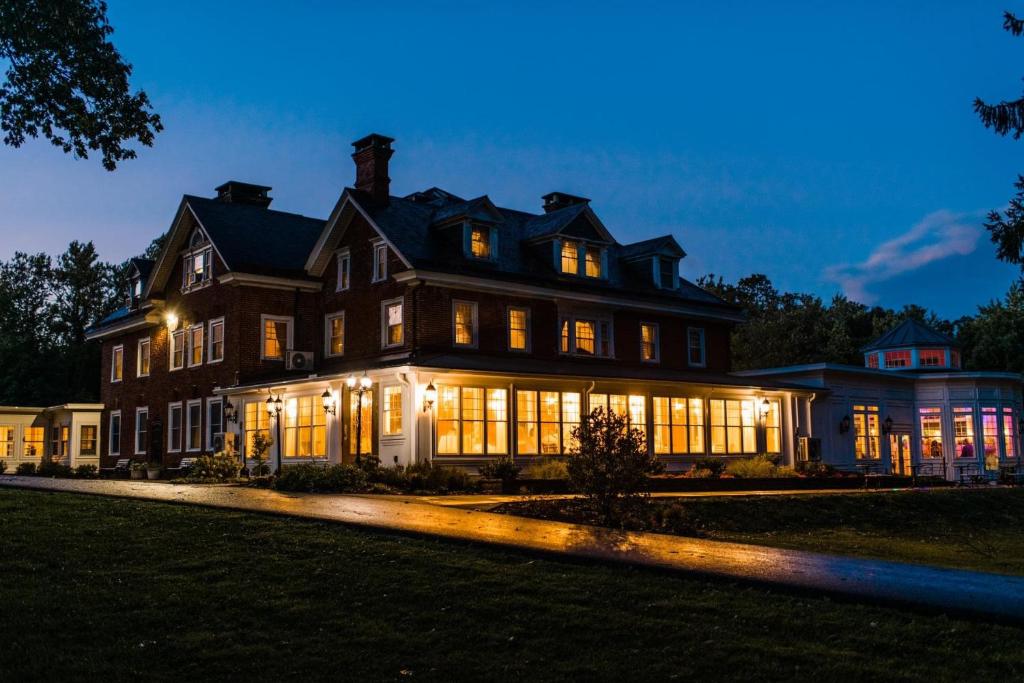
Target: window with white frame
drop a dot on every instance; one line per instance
(695, 352)
(391, 410)
(678, 425)
(344, 271)
(195, 345)
(6, 441)
(570, 258)
(117, 364)
(586, 336)
(214, 422)
(142, 358)
(88, 436)
(177, 349)
(305, 428)
(174, 427)
(55, 449)
(472, 421)
(33, 438)
(649, 342)
(480, 242)
(392, 323)
(518, 328)
(545, 421)
(334, 334)
(194, 425)
(866, 432)
(594, 258)
(114, 447)
(464, 323)
(141, 430)
(380, 262)
(197, 264)
(276, 336)
(733, 427)
(215, 352)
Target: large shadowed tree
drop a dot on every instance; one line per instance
(67, 82)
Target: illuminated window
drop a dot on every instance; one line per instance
(872, 360)
(392, 407)
(1009, 442)
(587, 337)
(142, 358)
(633, 407)
(117, 364)
(570, 258)
(214, 423)
(141, 430)
(931, 432)
(565, 336)
(649, 342)
(963, 432)
(197, 267)
(866, 432)
(257, 421)
(380, 262)
(678, 425)
(897, 359)
(34, 436)
(336, 334)
(464, 318)
(990, 437)
(195, 345)
(177, 349)
(593, 257)
(305, 429)
(6, 441)
(360, 422)
(87, 439)
(518, 329)
(472, 421)
(215, 353)
(546, 420)
(277, 336)
(931, 358)
(344, 271)
(393, 332)
(114, 434)
(174, 427)
(733, 430)
(480, 243)
(194, 425)
(773, 428)
(695, 346)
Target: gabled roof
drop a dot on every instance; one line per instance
(666, 244)
(143, 266)
(907, 334)
(479, 209)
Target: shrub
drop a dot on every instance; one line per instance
(612, 465)
(310, 477)
(816, 469)
(26, 469)
(217, 467)
(673, 518)
(760, 466)
(3, 466)
(343, 478)
(261, 444)
(707, 468)
(546, 469)
(503, 468)
(86, 471)
(51, 468)
(426, 476)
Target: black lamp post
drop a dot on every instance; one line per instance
(364, 385)
(274, 410)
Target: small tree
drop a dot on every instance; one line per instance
(611, 464)
(261, 444)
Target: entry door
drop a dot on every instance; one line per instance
(899, 451)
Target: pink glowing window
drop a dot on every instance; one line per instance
(932, 358)
(897, 359)
(872, 361)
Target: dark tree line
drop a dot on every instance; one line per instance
(786, 328)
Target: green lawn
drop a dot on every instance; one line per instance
(99, 588)
(980, 529)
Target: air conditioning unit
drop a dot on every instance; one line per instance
(298, 360)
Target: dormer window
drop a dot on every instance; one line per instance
(570, 258)
(593, 256)
(197, 263)
(480, 242)
(136, 287)
(666, 273)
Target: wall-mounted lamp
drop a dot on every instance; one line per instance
(328, 401)
(230, 414)
(844, 424)
(429, 397)
(887, 425)
(171, 320)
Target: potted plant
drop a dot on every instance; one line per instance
(153, 470)
(503, 469)
(138, 470)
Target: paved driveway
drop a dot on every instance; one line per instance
(990, 596)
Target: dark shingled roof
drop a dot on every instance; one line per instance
(255, 240)
(909, 333)
(144, 266)
(409, 223)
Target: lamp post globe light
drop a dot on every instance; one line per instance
(274, 410)
(360, 387)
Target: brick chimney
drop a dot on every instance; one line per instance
(234, 192)
(371, 157)
(553, 201)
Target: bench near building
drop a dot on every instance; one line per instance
(68, 433)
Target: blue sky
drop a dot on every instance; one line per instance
(831, 147)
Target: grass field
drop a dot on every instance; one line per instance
(981, 529)
(99, 588)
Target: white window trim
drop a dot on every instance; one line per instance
(529, 335)
(475, 334)
(346, 257)
(657, 343)
(375, 275)
(384, 323)
(401, 427)
(171, 345)
(145, 341)
(209, 341)
(186, 435)
(188, 346)
(113, 365)
(597, 320)
(139, 412)
(327, 333)
(210, 402)
(114, 448)
(703, 347)
(181, 426)
(263, 335)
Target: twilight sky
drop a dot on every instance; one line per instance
(832, 148)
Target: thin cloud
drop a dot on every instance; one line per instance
(937, 236)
